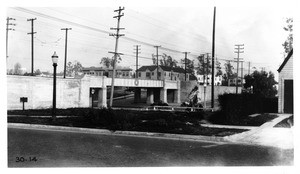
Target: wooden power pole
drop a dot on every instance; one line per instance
(239, 47)
(116, 54)
(66, 43)
(32, 44)
(213, 61)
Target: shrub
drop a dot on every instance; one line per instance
(235, 107)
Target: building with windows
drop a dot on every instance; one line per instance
(217, 82)
(100, 71)
(163, 73)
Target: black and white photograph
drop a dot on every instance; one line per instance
(149, 84)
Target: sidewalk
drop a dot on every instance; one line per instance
(267, 135)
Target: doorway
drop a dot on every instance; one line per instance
(288, 96)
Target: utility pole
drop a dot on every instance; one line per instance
(185, 62)
(203, 67)
(137, 49)
(116, 54)
(213, 61)
(66, 41)
(32, 44)
(239, 47)
(7, 29)
(157, 60)
(207, 64)
(249, 67)
(242, 73)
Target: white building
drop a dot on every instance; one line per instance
(217, 82)
(285, 85)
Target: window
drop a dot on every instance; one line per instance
(127, 74)
(165, 73)
(139, 74)
(152, 73)
(159, 74)
(148, 74)
(123, 74)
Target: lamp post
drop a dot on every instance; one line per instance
(54, 61)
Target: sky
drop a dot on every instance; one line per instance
(175, 27)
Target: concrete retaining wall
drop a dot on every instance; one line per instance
(39, 91)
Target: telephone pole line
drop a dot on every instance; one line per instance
(137, 49)
(213, 62)
(116, 54)
(32, 43)
(66, 42)
(157, 60)
(239, 47)
(185, 62)
(7, 29)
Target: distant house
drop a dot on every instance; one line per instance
(285, 85)
(232, 82)
(100, 71)
(163, 73)
(217, 81)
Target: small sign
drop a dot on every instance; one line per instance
(136, 82)
(23, 99)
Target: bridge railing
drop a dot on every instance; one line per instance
(135, 82)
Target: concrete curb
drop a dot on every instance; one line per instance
(120, 133)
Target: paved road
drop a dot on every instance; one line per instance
(70, 149)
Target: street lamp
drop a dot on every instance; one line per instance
(54, 61)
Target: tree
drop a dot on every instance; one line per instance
(228, 73)
(73, 68)
(190, 67)
(288, 44)
(218, 67)
(165, 61)
(17, 69)
(37, 72)
(107, 62)
(204, 65)
(10, 72)
(263, 83)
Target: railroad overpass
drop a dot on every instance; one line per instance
(156, 89)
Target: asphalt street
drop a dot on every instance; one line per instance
(47, 148)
